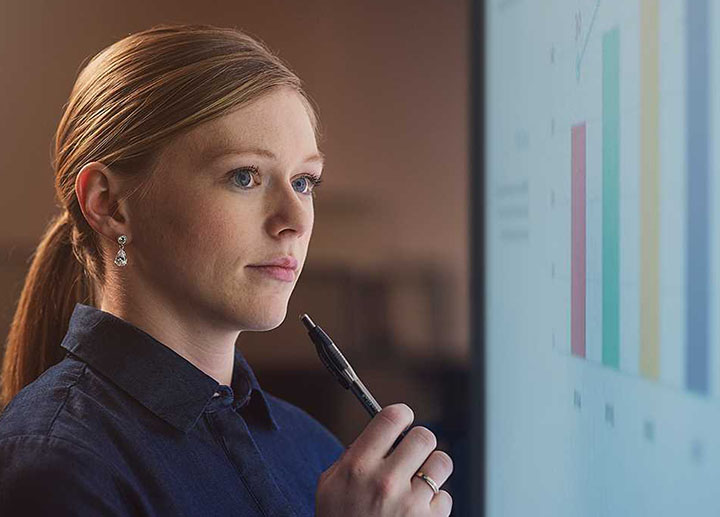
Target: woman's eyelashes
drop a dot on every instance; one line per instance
(244, 177)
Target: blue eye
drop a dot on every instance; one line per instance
(241, 174)
(302, 180)
(305, 184)
(311, 180)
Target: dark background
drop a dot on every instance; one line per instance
(388, 269)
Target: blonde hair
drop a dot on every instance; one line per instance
(127, 102)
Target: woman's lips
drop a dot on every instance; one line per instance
(279, 273)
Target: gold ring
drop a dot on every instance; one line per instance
(430, 481)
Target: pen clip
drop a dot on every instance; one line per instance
(330, 365)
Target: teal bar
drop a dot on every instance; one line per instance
(611, 198)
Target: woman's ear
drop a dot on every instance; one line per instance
(99, 191)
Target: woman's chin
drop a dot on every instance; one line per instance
(266, 320)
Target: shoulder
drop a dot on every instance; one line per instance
(37, 407)
(53, 434)
(69, 402)
(74, 480)
(312, 431)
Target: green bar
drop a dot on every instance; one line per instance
(611, 197)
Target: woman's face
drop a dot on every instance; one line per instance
(219, 203)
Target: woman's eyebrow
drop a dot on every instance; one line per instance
(217, 153)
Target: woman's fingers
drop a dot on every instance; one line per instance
(438, 467)
(411, 452)
(374, 481)
(379, 435)
(416, 452)
(441, 504)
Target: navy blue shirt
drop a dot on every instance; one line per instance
(124, 425)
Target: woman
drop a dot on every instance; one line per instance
(186, 162)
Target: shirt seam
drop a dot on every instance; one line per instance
(64, 401)
(218, 437)
(49, 434)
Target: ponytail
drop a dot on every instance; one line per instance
(55, 281)
(127, 103)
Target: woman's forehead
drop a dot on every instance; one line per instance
(265, 127)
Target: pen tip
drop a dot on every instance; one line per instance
(307, 322)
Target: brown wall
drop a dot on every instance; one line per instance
(391, 81)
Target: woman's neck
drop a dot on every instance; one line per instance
(182, 329)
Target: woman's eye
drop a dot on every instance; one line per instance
(305, 184)
(301, 184)
(244, 177)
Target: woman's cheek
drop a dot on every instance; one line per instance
(217, 228)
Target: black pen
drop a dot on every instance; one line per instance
(336, 363)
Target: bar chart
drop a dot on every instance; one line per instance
(697, 221)
(603, 309)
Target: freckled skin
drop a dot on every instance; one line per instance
(196, 231)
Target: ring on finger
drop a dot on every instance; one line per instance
(430, 481)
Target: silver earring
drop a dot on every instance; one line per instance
(121, 257)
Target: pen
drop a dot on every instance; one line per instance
(339, 367)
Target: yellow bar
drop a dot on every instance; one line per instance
(649, 192)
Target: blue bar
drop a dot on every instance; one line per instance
(698, 252)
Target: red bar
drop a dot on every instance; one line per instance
(577, 266)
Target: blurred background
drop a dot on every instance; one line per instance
(387, 270)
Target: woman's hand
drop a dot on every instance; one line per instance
(367, 481)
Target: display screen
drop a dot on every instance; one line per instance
(602, 239)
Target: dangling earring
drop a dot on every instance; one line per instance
(121, 257)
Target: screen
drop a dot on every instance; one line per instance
(602, 239)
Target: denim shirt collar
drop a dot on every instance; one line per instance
(155, 375)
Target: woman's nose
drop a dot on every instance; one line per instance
(289, 211)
